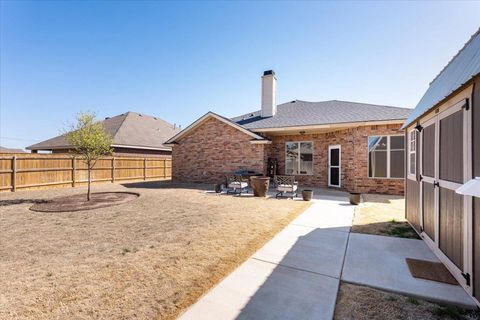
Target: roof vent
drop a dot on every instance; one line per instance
(293, 101)
(106, 118)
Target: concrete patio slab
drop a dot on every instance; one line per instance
(316, 250)
(379, 262)
(328, 214)
(261, 290)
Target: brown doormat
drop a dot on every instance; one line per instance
(429, 270)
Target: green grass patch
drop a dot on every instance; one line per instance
(413, 301)
(450, 311)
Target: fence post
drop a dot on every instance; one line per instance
(113, 169)
(74, 171)
(14, 173)
(144, 168)
(164, 168)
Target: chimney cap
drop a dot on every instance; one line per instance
(269, 72)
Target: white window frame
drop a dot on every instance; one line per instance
(410, 142)
(388, 155)
(298, 162)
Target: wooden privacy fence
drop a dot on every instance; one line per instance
(25, 171)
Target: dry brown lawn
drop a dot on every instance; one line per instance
(382, 215)
(147, 259)
(363, 303)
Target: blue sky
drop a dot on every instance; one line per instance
(180, 60)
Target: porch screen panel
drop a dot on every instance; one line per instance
(377, 156)
(397, 156)
(451, 148)
(451, 225)
(306, 158)
(291, 158)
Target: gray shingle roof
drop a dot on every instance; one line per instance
(10, 150)
(463, 66)
(304, 113)
(128, 129)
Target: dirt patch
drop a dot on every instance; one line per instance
(146, 259)
(79, 202)
(382, 215)
(358, 302)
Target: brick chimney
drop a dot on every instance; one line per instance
(269, 94)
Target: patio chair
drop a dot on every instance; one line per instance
(286, 184)
(236, 184)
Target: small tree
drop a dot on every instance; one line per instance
(89, 140)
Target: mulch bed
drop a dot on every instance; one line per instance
(79, 202)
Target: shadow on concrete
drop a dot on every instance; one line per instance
(295, 289)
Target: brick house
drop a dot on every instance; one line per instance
(133, 134)
(351, 146)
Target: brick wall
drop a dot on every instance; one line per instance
(354, 166)
(213, 149)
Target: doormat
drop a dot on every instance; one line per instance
(429, 270)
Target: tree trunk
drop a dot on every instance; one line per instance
(89, 181)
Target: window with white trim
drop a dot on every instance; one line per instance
(386, 156)
(412, 152)
(299, 158)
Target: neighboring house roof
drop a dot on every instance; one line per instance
(130, 130)
(9, 150)
(464, 66)
(255, 137)
(303, 113)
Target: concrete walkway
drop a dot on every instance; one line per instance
(379, 262)
(296, 275)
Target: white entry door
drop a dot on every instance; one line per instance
(334, 166)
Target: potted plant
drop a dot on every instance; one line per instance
(307, 194)
(355, 198)
(260, 185)
(218, 187)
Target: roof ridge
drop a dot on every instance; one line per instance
(121, 124)
(456, 55)
(370, 104)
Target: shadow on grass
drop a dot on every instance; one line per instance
(399, 229)
(167, 185)
(4, 203)
(379, 198)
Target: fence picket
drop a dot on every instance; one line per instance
(42, 170)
